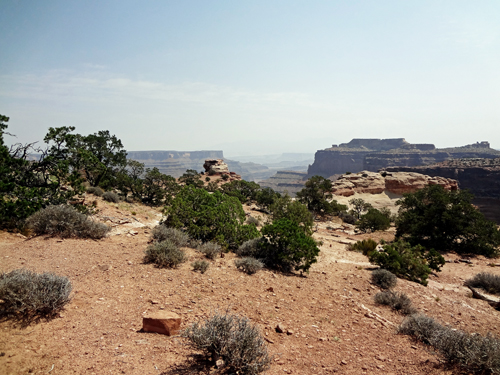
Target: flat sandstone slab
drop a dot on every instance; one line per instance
(164, 322)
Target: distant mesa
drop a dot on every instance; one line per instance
(375, 154)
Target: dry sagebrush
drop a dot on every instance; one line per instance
(28, 297)
(65, 221)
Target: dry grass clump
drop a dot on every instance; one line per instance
(65, 221)
(28, 297)
(397, 301)
(364, 246)
(472, 353)
(163, 233)
(111, 197)
(233, 339)
(164, 254)
(210, 249)
(248, 265)
(249, 248)
(487, 281)
(252, 220)
(384, 279)
(200, 265)
(95, 190)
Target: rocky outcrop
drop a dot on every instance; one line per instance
(375, 154)
(215, 166)
(163, 322)
(396, 183)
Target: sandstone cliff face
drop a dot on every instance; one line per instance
(289, 181)
(375, 154)
(394, 182)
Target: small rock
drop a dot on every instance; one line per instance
(104, 267)
(164, 322)
(290, 332)
(154, 302)
(219, 363)
(343, 362)
(280, 328)
(270, 289)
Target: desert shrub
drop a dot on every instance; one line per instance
(359, 206)
(200, 265)
(446, 220)
(164, 254)
(347, 217)
(413, 263)
(316, 195)
(243, 190)
(65, 221)
(266, 196)
(250, 248)
(364, 246)
(111, 197)
(161, 233)
(285, 246)
(210, 249)
(397, 301)
(486, 281)
(373, 220)
(208, 217)
(469, 352)
(252, 220)
(27, 296)
(95, 190)
(284, 207)
(249, 265)
(233, 339)
(384, 279)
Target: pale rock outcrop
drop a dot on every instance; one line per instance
(395, 182)
(215, 166)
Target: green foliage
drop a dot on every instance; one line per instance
(191, 178)
(165, 254)
(373, 220)
(446, 220)
(364, 246)
(265, 197)
(471, 353)
(411, 263)
(209, 217)
(286, 208)
(243, 190)
(65, 221)
(384, 279)
(486, 281)
(248, 265)
(200, 265)
(234, 340)
(28, 297)
(316, 195)
(286, 246)
(397, 301)
(359, 206)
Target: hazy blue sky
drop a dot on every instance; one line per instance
(253, 76)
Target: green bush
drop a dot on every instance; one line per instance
(486, 281)
(163, 233)
(397, 301)
(411, 263)
(347, 217)
(471, 353)
(364, 246)
(286, 208)
(209, 217)
(28, 297)
(447, 221)
(200, 265)
(65, 221)
(233, 339)
(359, 206)
(266, 196)
(95, 190)
(210, 249)
(165, 254)
(249, 265)
(285, 246)
(316, 195)
(245, 191)
(384, 279)
(373, 220)
(111, 197)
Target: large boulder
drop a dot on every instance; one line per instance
(215, 166)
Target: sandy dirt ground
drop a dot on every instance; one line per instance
(335, 327)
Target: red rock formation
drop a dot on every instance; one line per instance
(395, 182)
